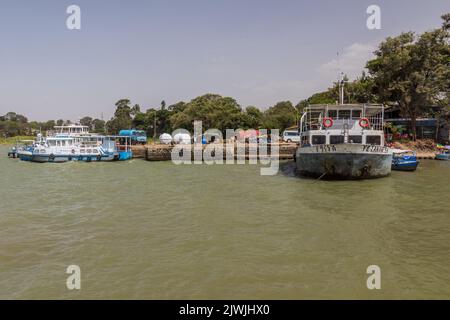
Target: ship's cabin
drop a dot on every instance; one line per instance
(338, 124)
(72, 129)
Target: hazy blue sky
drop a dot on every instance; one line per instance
(256, 51)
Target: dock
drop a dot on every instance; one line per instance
(162, 152)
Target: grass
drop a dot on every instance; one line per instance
(13, 140)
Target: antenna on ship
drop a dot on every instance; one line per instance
(340, 80)
(341, 89)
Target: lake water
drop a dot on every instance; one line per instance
(154, 230)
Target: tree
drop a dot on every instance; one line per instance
(98, 126)
(86, 121)
(413, 71)
(281, 116)
(252, 118)
(213, 110)
(122, 116)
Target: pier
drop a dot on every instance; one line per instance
(162, 152)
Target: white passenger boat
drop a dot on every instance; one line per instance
(344, 141)
(75, 143)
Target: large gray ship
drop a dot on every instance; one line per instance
(343, 141)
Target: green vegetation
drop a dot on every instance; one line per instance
(413, 71)
(13, 140)
(215, 111)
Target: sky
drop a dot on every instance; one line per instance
(256, 51)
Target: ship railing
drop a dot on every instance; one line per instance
(314, 114)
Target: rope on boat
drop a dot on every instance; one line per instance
(322, 176)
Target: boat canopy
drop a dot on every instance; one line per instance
(400, 151)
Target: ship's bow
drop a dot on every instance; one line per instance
(344, 161)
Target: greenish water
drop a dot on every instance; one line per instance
(154, 230)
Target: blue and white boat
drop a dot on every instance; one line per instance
(91, 148)
(404, 160)
(75, 143)
(444, 154)
(20, 147)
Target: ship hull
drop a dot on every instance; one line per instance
(42, 158)
(344, 161)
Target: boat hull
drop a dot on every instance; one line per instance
(344, 161)
(42, 158)
(403, 165)
(25, 155)
(443, 156)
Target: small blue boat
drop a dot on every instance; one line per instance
(404, 160)
(20, 147)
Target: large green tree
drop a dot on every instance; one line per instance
(281, 116)
(122, 116)
(213, 110)
(413, 71)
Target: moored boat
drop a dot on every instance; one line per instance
(404, 160)
(344, 141)
(91, 148)
(444, 153)
(21, 147)
(75, 143)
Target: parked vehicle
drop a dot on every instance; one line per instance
(291, 136)
(404, 160)
(136, 136)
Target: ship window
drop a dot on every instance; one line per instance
(356, 114)
(344, 114)
(305, 140)
(332, 113)
(316, 139)
(355, 139)
(336, 139)
(376, 140)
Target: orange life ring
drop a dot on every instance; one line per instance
(364, 122)
(327, 122)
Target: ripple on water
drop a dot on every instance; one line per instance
(155, 230)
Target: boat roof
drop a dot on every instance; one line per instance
(70, 126)
(398, 151)
(368, 107)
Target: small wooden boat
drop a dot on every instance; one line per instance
(404, 160)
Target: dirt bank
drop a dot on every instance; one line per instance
(426, 148)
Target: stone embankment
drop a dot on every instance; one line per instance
(162, 152)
